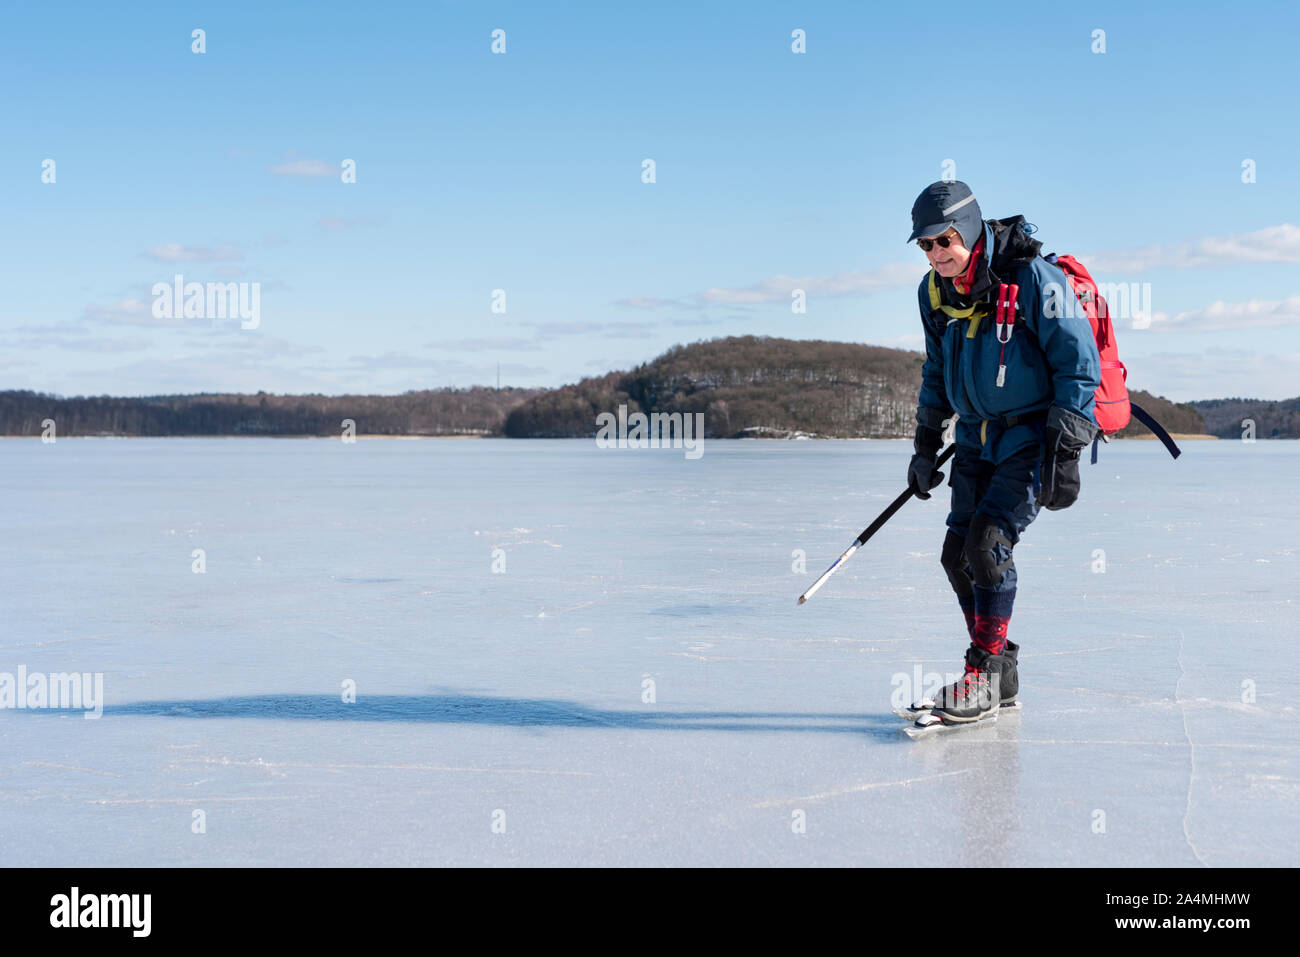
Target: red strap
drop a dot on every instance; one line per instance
(1006, 311)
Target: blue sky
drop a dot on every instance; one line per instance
(522, 172)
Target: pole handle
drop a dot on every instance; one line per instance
(899, 502)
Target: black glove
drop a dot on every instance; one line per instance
(921, 473)
(1068, 434)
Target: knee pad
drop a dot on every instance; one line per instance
(953, 559)
(983, 546)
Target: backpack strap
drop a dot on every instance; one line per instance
(1147, 419)
(937, 304)
(974, 313)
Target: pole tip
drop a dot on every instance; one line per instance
(802, 599)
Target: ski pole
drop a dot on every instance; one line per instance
(871, 529)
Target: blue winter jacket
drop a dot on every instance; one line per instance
(1051, 360)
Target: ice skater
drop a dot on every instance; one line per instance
(1020, 371)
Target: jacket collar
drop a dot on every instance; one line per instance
(982, 276)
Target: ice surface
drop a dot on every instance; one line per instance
(521, 691)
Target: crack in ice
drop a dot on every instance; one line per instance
(1191, 750)
(68, 767)
(861, 787)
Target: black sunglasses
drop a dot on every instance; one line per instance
(943, 241)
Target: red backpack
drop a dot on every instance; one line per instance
(1113, 408)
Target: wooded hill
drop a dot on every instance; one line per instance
(745, 384)
(1273, 420)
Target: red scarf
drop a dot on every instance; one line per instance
(964, 282)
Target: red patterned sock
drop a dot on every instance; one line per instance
(990, 633)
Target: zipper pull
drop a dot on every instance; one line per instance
(1002, 376)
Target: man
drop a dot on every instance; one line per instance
(1020, 371)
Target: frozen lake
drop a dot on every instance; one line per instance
(507, 608)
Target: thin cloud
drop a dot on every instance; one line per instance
(605, 330)
(130, 312)
(335, 224)
(843, 285)
(1274, 244)
(305, 168)
(702, 321)
(486, 344)
(780, 289)
(650, 302)
(137, 310)
(240, 341)
(190, 372)
(71, 336)
(444, 368)
(177, 253)
(1253, 314)
(1186, 377)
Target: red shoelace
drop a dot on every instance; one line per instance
(975, 677)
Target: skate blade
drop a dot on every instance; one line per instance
(930, 724)
(914, 712)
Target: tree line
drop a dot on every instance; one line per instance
(471, 411)
(744, 385)
(1230, 418)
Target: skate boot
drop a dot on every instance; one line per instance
(1010, 682)
(979, 692)
(1008, 685)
